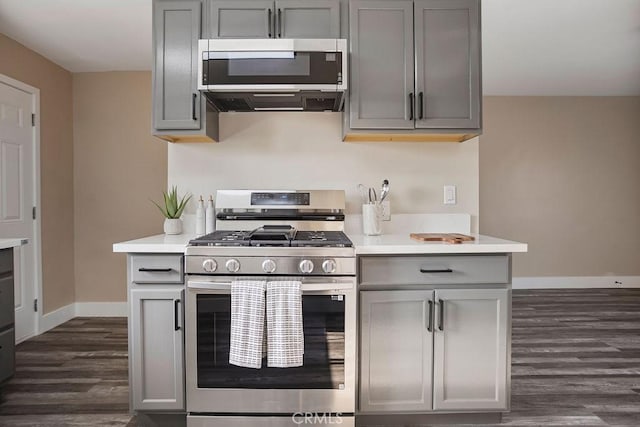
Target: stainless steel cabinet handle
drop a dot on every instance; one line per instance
(155, 270)
(193, 106)
(436, 270)
(411, 106)
(421, 105)
(269, 24)
(176, 315)
(430, 317)
(279, 23)
(441, 315)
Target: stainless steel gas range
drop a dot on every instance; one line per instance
(273, 235)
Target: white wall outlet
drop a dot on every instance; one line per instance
(450, 195)
(386, 210)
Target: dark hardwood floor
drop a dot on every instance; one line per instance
(576, 361)
(73, 375)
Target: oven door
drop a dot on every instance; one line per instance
(325, 382)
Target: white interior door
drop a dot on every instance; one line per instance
(17, 198)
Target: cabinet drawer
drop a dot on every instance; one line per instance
(7, 355)
(6, 301)
(157, 268)
(434, 270)
(6, 260)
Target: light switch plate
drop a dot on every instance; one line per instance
(450, 195)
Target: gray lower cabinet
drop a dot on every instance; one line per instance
(396, 345)
(273, 19)
(7, 315)
(428, 79)
(157, 348)
(434, 350)
(470, 349)
(180, 113)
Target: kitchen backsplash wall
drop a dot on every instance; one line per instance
(305, 150)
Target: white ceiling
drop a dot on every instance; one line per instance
(530, 47)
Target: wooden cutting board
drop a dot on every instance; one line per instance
(442, 237)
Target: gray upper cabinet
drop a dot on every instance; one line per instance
(273, 19)
(176, 34)
(395, 351)
(240, 19)
(470, 349)
(157, 348)
(307, 19)
(382, 58)
(180, 113)
(415, 68)
(448, 63)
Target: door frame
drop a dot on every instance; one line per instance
(37, 230)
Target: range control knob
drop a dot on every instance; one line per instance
(209, 265)
(306, 266)
(268, 266)
(233, 265)
(329, 266)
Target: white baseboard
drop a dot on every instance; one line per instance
(81, 309)
(56, 318)
(101, 309)
(574, 282)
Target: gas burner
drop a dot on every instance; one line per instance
(274, 236)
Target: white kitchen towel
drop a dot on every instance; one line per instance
(285, 334)
(247, 323)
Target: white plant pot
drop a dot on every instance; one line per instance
(172, 226)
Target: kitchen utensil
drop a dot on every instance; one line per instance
(455, 238)
(385, 190)
(373, 197)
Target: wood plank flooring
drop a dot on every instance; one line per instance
(576, 361)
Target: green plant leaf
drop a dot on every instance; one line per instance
(164, 212)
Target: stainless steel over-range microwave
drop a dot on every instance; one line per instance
(273, 74)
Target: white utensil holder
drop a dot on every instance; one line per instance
(372, 219)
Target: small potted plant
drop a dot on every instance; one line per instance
(172, 210)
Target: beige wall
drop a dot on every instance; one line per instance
(118, 166)
(56, 163)
(562, 174)
(305, 150)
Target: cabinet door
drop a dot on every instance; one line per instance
(310, 19)
(237, 19)
(448, 63)
(176, 30)
(470, 349)
(157, 348)
(396, 343)
(382, 64)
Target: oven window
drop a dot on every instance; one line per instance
(324, 342)
(301, 68)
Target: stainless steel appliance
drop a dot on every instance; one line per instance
(273, 74)
(273, 235)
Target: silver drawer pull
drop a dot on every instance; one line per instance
(155, 270)
(436, 270)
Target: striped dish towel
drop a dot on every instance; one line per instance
(247, 323)
(285, 335)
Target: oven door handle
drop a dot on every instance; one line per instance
(306, 287)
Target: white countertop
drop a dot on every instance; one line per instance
(160, 243)
(364, 245)
(403, 244)
(13, 242)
